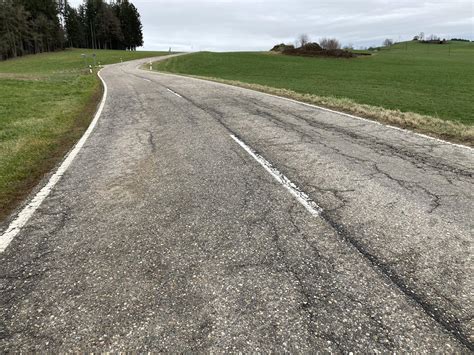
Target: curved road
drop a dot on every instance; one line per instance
(168, 234)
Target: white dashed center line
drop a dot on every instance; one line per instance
(302, 197)
(174, 93)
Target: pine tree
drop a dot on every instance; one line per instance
(44, 19)
(15, 31)
(34, 26)
(108, 29)
(136, 25)
(131, 24)
(75, 28)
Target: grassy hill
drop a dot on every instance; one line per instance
(428, 79)
(46, 103)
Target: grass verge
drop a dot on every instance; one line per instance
(422, 87)
(46, 103)
(447, 130)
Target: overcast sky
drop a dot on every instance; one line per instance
(228, 25)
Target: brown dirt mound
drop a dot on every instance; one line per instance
(312, 50)
(281, 47)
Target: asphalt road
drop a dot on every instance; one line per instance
(165, 234)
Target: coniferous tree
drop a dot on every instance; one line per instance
(137, 37)
(131, 24)
(75, 28)
(108, 28)
(44, 20)
(15, 32)
(34, 26)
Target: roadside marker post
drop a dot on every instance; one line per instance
(151, 65)
(90, 68)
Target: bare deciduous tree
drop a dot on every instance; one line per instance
(349, 47)
(388, 42)
(303, 39)
(330, 43)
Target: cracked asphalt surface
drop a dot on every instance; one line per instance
(165, 235)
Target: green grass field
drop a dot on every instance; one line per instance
(429, 79)
(46, 103)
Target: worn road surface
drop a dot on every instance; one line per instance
(165, 234)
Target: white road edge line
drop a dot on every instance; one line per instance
(22, 218)
(367, 120)
(323, 109)
(174, 93)
(302, 197)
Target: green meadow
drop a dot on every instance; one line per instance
(428, 79)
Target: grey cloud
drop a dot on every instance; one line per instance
(222, 25)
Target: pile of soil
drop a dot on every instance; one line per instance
(435, 41)
(312, 50)
(279, 47)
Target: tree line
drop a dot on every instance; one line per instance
(35, 26)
